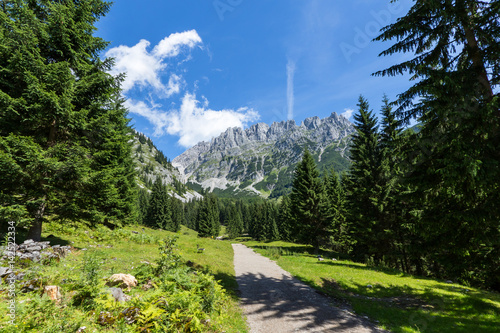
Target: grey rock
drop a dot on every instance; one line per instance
(4, 271)
(118, 295)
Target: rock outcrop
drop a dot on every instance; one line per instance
(35, 251)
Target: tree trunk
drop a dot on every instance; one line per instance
(35, 232)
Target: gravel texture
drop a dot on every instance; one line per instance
(275, 302)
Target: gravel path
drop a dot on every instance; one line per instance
(274, 302)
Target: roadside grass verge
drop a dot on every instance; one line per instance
(127, 250)
(393, 300)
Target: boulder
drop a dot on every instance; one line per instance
(122, 281)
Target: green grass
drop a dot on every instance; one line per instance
(395, 301)
(122, 251)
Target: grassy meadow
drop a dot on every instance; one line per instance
(132, 250)
(391, 299)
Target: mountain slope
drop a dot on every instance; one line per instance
(151, 162)
(262, 158)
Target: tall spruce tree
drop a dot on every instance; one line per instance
(63, 131)
(159, 212)
(308, 200)
(392, 221)
(208, 217)
(363, 184)
(453, 164)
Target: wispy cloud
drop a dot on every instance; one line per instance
(290, 98)
(347, 114)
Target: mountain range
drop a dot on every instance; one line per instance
(261, 159)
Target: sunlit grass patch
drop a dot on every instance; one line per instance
(394, 300)
(128, 250)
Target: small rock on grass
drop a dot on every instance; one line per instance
(119, 295)
(122, 281)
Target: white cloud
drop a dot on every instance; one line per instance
(171, 46)
(194, 121)
(347, 114)
(144, 68)
(290, 72)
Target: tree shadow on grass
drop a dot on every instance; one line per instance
(426, 310)
(54, 240)
(384, 270)
(305, 309)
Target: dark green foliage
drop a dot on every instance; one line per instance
(208, 224)
(332, 159)
(266, 221)
(191, 214)
(178, 218)
(285, 220)
(335, 212)
(308, 203)
(143, 204)
(179, 187)
(452, 164)
(363, 184)
(63, 128)
(234, 222)
(159, 213)
(162, 159)
(284, 184)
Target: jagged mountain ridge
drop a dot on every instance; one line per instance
(261, 158)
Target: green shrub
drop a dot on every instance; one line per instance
(169, 258)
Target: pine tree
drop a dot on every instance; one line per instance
(63, 130)
(308, 199)
(285, 219)
(453, 162)
(208, 217)
(177, 208)
(394, 225)
(364, 184)
(234, 222)
(335, 212)
(159, 213)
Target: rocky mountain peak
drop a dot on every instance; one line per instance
(252, 155)
(312, 123)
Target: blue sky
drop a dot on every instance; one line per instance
(196, 67)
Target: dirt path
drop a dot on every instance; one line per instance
(274, 302)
